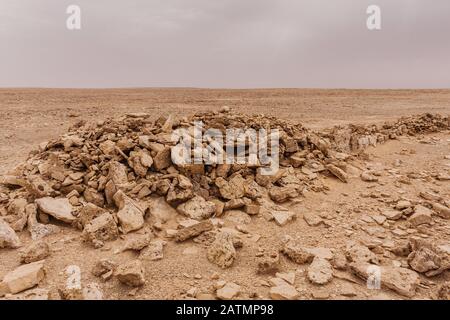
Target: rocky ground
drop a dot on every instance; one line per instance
(101, 212)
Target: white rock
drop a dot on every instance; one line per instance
(60, 208)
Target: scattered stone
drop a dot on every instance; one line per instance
(282, 194)
(283, 292)
(401, 280)
(421, 215)
(130, 214)
(312, 219)
(229, 291)
(297, 253)
(197, 208)
(193, 230)
(282, 217)
(104, 268)
(392, 214)
(36, 251)
(8, 237)
(289, 277)
(441, 210)
(337, 172)
(22, 278)
(368, 177)
(222, 252)
(60, 208)
(320, 271)
(269, 263)
(131, 273)
(100, 229)
(154, 251)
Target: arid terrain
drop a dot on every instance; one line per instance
(334, 213)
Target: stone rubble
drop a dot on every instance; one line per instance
(117, 180)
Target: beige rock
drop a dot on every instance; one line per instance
(130, 214)
(289, 277)
(401, 280)
(222, 252)
(421, 215)
(283, 292)
(232, 189)
(359, 253)
(297, 253)
(269, 263)
(131, 273)
(8, 237)
(392, 214)
(441, 210)
(137, 242)
(94, 197)
(24, 277)
(368, 177)
(60, 208)
(102, 228)
(36, 229)
(282, 217)
(252, 209)
(161, 210)
(228, 291)
(36, 251)
(103, 266)
(193, 230)
(337, 172)
(312, 219)
(154, 251)
(89, 212)
(162, 159)
(320, 271)
(197, 208)
(282, 194)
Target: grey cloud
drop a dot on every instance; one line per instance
(226, 43)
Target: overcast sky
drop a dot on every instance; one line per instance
(225, 43)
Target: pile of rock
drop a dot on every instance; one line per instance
(109, 178)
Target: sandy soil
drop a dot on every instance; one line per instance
(31, 116)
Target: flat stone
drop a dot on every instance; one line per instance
(102, 228)
(24, 277)
(130, 214)
(197, 208)
(297, 253)
(8, 237)
(401, 280)
(421, 215)
(441, 210)
(282, 217)
(338, 172)
(392, 214)
(228, 291)
(283, 292)
(312, 219)
(320, 271)
(193, 230)
(59, 208)
(289, 277)
(131, 273)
